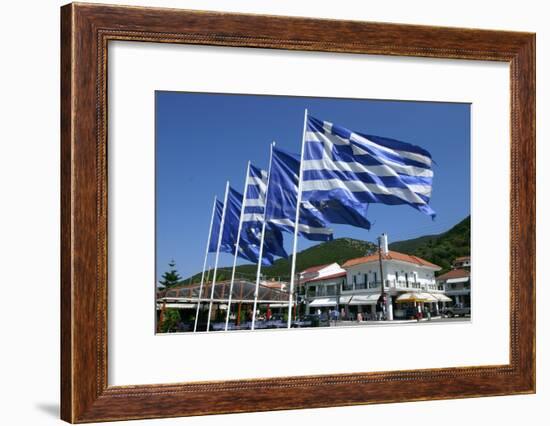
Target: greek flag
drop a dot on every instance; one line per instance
(353, 170)
(215, 233)
(282, 197)
(249, 241)
(232, 219)
(253, 217)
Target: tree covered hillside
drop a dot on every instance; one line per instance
(440, 249)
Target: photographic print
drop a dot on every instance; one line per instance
(282, 212)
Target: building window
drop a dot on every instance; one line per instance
(346, 285)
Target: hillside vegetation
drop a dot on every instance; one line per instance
(440, 249)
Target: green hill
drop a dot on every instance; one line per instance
(440, 249)
(338, 250)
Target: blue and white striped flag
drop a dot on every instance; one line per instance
(282, 197)
(215, 232)
(358, 169)
(249, 244)
(253, 217)
(256, 185)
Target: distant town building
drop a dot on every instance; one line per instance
(457, 282)
(461, 262)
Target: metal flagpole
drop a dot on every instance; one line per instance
(295, 241)
(261, 253)
(217, 257)
(237, 246)
(204, 265)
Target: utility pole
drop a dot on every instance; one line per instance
(380, 264)
(389, 307)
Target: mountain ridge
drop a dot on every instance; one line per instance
(440, 249)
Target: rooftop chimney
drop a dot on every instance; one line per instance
(384, 243)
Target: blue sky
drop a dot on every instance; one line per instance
(203, 140)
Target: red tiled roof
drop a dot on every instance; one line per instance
(328, 277)
(315, 268)
(454, 273)
(392, 255)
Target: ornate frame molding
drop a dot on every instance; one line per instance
(85, 34)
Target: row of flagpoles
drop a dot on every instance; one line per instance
(338, 174)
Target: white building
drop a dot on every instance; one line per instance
(405, 277)
(457, 282)
(462, 262)
(320, 287)
(319, 271)
(409, 284)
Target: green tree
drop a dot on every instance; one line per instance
(170, 320)
(171, 277)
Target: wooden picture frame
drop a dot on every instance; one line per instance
(86, 31)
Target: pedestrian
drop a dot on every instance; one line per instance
(380, 305)
(427, 313)
(359, 317)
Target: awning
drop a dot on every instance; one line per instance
(177, 305)
(344, 300)
(441, 297)
(364, 299)
(458, 280)
(319, 303)
(416, 297)
(429, 297)
(278, 305)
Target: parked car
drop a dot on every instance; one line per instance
(456, 310)
(276, 321)
(259, 325)
(311, 320)
(220, 326)
(185, 326)
(405, 313)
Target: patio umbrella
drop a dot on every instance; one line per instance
(414, 297)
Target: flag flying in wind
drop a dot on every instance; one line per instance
(249, 243)
(231, 221)
(342, 211)
(351, 170)
(253, 217)
(282, 197)
(215, 233)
